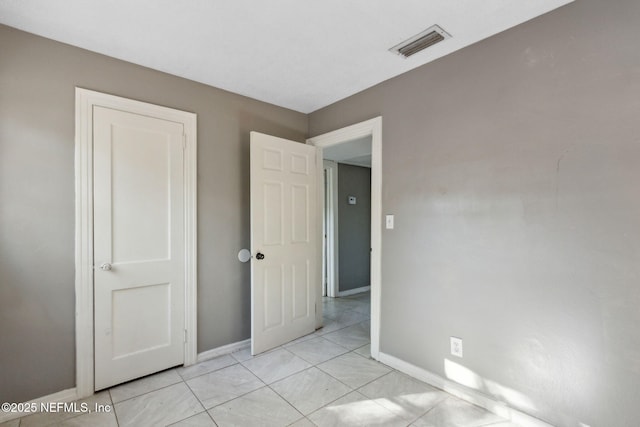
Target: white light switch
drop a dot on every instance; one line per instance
(389, 222)
(352, 200)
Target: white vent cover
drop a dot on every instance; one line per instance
(421, 41)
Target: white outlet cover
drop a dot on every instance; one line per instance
(456, 346)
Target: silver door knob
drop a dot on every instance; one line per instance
(105, 266)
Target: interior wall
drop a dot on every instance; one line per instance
(354, 237)
(511, 167)
(37, 208)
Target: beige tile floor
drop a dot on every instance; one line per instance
(324, 379)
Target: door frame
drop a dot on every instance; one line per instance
(331, 232)
(86, 100)
(373, 128)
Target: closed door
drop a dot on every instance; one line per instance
(139, 251)
(285, 269)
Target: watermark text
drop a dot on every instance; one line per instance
(53, 407)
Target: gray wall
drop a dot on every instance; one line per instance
(512, 169)
(354, 222)
(37, 80)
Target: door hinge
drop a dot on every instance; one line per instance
(185, 336)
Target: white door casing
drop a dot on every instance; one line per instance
(330, 228)
(163, 263)
(373, 128)
(286, 264)
(138, 245)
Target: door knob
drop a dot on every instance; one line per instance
(105, 266)
(259, 256)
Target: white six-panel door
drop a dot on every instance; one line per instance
(138, 245)
(284, 241)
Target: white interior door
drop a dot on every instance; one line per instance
(138, 245)
(285, 269)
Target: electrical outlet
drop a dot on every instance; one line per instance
(456, 346)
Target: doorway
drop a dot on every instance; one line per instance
(108, 212)
(368, 132)
(347, 218)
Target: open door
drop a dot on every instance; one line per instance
(284, 240)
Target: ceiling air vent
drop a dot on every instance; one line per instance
(421, 41)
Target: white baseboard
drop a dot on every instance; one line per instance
(225, 349)
(465, 393)
(63, 396)
(354, 291)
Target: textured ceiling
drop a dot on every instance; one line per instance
(302, 55)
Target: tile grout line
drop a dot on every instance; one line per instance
(209, 372)
(113, 405)
(355, 324)
(199, 401)
(146, 392)
(288, 403)
(323, 336)
(241, 395)
(316, 364)
(354, 389)
(321, 370)
(348, 309)
(446, 396)
(295, 355)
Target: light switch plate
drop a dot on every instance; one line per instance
(389, 222)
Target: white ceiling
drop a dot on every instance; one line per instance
(356, 152)
(299, 54)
